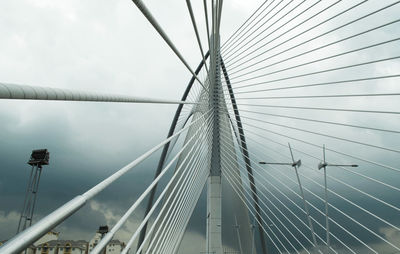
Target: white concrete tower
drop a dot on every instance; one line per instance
(214, 188)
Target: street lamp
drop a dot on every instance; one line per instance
(296, 165)
(323, 165)
(293, 164)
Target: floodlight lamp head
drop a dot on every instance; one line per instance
(39, 157)
(103, 229)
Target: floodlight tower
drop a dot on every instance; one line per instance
(37, 160)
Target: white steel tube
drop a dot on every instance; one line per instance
(142, 7)
(243, 192)
(24, 92)
(155, 222)
(248, 208)
(179, 217)
(107, 238)
(161, 195)
(173, 244)
(22, 240)
(294, 214)
(304, 200)
(180, 236)
(236, 178)
(160, 235)
(326, 202)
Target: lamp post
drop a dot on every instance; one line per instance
(296, 165)
(323, 165)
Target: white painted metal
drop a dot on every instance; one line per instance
(142, 7)
(304, 201)
(214, 184)
(175, 234)
(170, 220)
(214, 214)
(104, 241)
(22, 240)
(186, 176)
(328, 241)
(24, 92)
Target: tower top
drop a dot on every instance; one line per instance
(39, 157)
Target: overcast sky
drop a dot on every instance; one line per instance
(108, 46)
(103, 46)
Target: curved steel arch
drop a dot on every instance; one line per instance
(166, 147)
(241, 138)
(245, 154)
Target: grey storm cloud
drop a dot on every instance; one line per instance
(95, 46)
(108, 46)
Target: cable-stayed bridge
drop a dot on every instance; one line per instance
(290, 125)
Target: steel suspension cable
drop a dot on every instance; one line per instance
(183, 206)
(323, 109)
(142, 7)
(318, 60)
(175, 197)
(201, 186)
(335, 151)
(174, 215)
(207, 25)
(321, 121)
(340, 196)
(22, 240)
(152, 228)
(307, 226)
(244, 202)
(189, 5)
(172, 219)
(318, 159)
(280, 27)
(297, 35)
(174, 238)
(243, 143)
(297, 216)
(319, 96)
(322, 84)
(249, 202)
(349, 217)
(238, 36)
(309, 51)
(324, 135)
(239, 30)
(227, 161)
(108, 237)
(311, 28)
(332, 150)
(355, 237)
(204, 165)
(310, 223)
(133, 237)
(314, 72)
(227, 54)
(178, 208)
(355, 221)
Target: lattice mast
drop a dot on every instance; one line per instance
(37, 160)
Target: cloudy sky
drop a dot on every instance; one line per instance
(108, 46)
(104, 46)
